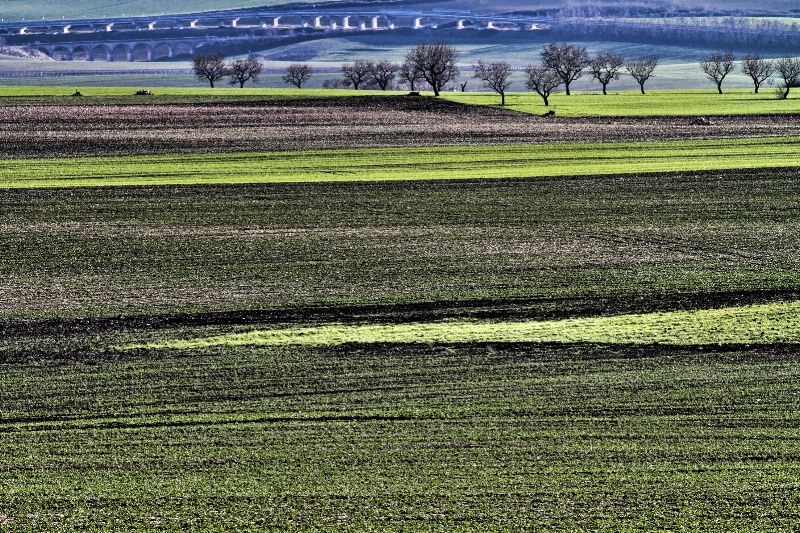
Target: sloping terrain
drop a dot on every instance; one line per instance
(275, 124)
(117, 412)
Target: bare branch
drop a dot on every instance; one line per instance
(542, 80)
(383, 72)
(297, 74)
(567, 60)
(436, 62)
(411, 74)
(357, 72)
(495, 76)
(210, 68)
(605, 67)
(716, 66)
(758, 68)
(642, 69)
(243, 70)
(789, 69)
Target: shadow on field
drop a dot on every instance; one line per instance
(507, 309)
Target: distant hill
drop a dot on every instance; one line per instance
(28, 10)
(17, 10)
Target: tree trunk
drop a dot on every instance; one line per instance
(212, 83)
(502, 98)
(604, 89)
(566, 86)
(641, 85)
(546, 103)
(719, 87)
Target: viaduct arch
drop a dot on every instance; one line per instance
(116, 51)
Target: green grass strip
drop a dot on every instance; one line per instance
(752, 324)
(634, 104)
(430, 163)
(680, 102)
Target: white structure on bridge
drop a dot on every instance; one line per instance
(124, 39)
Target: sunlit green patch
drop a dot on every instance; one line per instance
(752, 324)
(429, 163)
(683, 102)
(581, 103)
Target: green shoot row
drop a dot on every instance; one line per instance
(460, 162)
(752, 324)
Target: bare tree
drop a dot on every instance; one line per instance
(436, 62)
(243, 70)
(358, 72)
(605, 67)
(210, 68)
(542, 80)
(567, 60)
(495, 76)
(789, 69)
(411, 74)
(297, 74)
(758, 68)
(383, 72)
(717, 65)
(642, 69)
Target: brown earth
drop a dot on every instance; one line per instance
(317, 123)
(103, 246)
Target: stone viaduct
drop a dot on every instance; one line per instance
(122, 50)
(126, 39)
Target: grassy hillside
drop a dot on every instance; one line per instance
(13, 10)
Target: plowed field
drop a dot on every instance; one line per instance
(335, 123)
(140, 390)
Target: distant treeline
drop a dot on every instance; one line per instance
(728, 32)
(655, 9)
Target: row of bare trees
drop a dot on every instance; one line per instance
(213, 68)
(562, 64)
(718, 65)
(433, 64)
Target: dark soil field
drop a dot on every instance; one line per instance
(113, 128)
(383, 436)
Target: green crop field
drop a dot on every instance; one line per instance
(579, 104)
(653, 103)
(527, 161)
(283, 311)
(755, 324)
